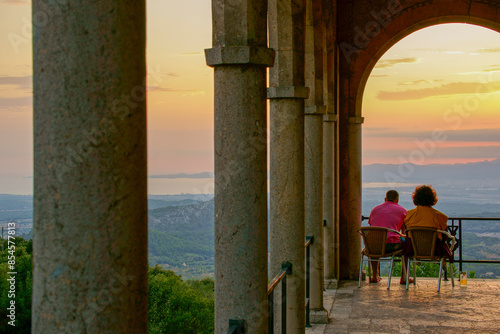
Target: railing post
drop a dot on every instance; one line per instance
(270, 313)
(460, 244)
(446, 271)
(284, 265)
(236, 326)
(308, 277)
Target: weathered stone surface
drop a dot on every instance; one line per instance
(314, 203)
(287, 37)
(240, 197)
(240, 56)
(287, 205)
(355, 187)
(233, 55)
(288, 92)
(239, 23)
(374, 309)
(318, 316)
(90, 201)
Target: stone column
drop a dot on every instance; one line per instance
(314, 207)
(90, 196)
(240, 57)
(314, 156)
(355, 190)
(330, 147)
(329, 199)
(287, 94)
(350, 197)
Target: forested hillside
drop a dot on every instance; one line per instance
(181, 238)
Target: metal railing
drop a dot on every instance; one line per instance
(238, 326)
(455, 227)
(309, 241)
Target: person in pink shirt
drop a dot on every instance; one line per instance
(391, 215)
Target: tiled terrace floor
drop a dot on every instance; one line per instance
(374, 309)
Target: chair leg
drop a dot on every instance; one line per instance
(451, 274)
(369, 269)
(407, 271)
(414, 273)
(390, 273)
(440, 271)
(360, 270)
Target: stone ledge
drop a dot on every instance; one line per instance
(356, 120)
(318, 316)
(239, 55)
(288, 92)
(315, 110)
(330, 118)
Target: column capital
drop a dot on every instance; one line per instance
(356, 120)
(315, 110)
(238, 55)
(330, 118)
(288, 92)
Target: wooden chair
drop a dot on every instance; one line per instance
(374, 239)
(424, 240)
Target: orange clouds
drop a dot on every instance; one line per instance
(385, 63)
(452, 88)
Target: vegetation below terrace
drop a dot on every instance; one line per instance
(176, 306)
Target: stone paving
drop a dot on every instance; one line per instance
(374, 309)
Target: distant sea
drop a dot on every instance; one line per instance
(22, 185)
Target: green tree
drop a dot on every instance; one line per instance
(179, 307)
(20, 256)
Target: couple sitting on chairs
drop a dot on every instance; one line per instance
(393, 216)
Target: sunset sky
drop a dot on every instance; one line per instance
(425, 102)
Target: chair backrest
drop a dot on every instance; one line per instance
(374, 239)
(423, 240)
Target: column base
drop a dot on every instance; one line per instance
(354, 276)
(318, 316)
(330, 283)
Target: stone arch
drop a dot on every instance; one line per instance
(365, 30)
(383, 31)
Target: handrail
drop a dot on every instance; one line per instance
(286, 269)
(456, 228)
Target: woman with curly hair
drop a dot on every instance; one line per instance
(424, 215)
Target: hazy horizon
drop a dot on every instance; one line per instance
(374, 176)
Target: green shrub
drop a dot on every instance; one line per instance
(176, 306)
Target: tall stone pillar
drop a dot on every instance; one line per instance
(355, 190)
(330, 199)
(90, 196)
(287, 94)
(240, 57)
(314, 207)
(314, 112)
(330, 148)
(350, 196)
